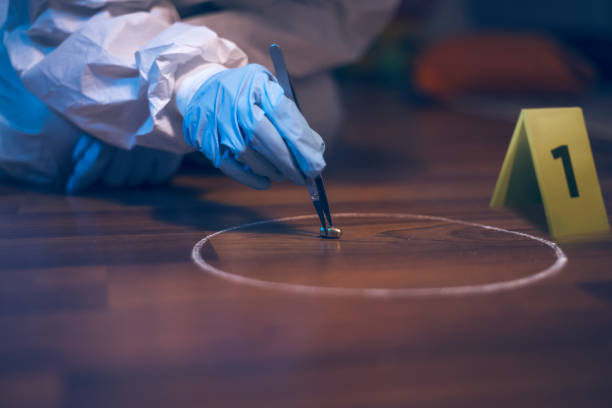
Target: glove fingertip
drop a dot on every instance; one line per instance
(73, 186)
(81, 147)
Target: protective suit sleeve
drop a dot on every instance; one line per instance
(315, 35)
(112, 67)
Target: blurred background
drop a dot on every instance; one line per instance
(492, 58)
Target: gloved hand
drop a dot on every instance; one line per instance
(95, 160)
(243, 122)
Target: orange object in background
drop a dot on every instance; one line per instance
(509, 63)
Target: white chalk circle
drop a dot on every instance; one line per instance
(478, 289)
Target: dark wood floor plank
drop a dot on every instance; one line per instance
(101, 305)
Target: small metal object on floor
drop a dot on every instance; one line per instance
(331, 232)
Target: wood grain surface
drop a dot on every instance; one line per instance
(377, 251)
(102, 306)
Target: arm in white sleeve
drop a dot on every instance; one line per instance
(315, 35)
(114, 68)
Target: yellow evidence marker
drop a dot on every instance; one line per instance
(549, 163)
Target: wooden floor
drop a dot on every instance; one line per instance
(102, 306)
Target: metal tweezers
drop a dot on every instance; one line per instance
(315, 186)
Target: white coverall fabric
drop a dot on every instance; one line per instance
(113, 68)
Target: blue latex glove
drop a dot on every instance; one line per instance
(98, 161)
(243, 122)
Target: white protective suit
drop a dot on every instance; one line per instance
(114, 68)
